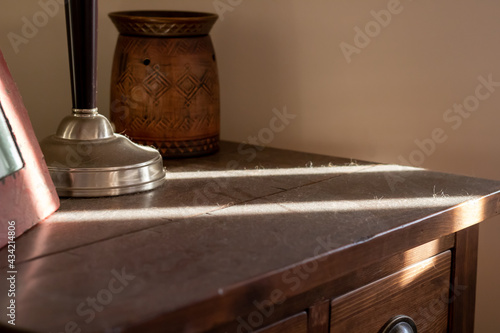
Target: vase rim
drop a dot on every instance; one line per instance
(164, 14)
(163, 23)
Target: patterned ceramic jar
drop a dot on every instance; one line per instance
(165, 85)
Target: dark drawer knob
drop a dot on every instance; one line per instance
(400, 324)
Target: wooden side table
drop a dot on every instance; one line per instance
(262, 240)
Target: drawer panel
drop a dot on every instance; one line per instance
(294, 324)
(420, 291)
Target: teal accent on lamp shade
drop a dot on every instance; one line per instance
(10, 158)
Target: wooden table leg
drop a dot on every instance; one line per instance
(463, 281)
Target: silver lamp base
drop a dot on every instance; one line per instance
(86, 159)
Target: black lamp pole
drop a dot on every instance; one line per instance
(81, 24)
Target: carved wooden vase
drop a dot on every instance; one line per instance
(165, 85)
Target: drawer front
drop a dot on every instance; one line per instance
(420, 291)
(295, 324)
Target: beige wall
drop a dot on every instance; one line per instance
(281, 53)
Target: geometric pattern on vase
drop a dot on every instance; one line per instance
(126, 82)
(184, 148)
(156, 84)
(179, 47)
(152, 28)
(189, 85)
(172, 122)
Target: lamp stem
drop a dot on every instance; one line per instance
(81, 24)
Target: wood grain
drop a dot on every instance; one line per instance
(333, 288)
(319, 317)
(295, 324)
(309, 227)
(420, 292)
(83, 222)
(386, 266)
